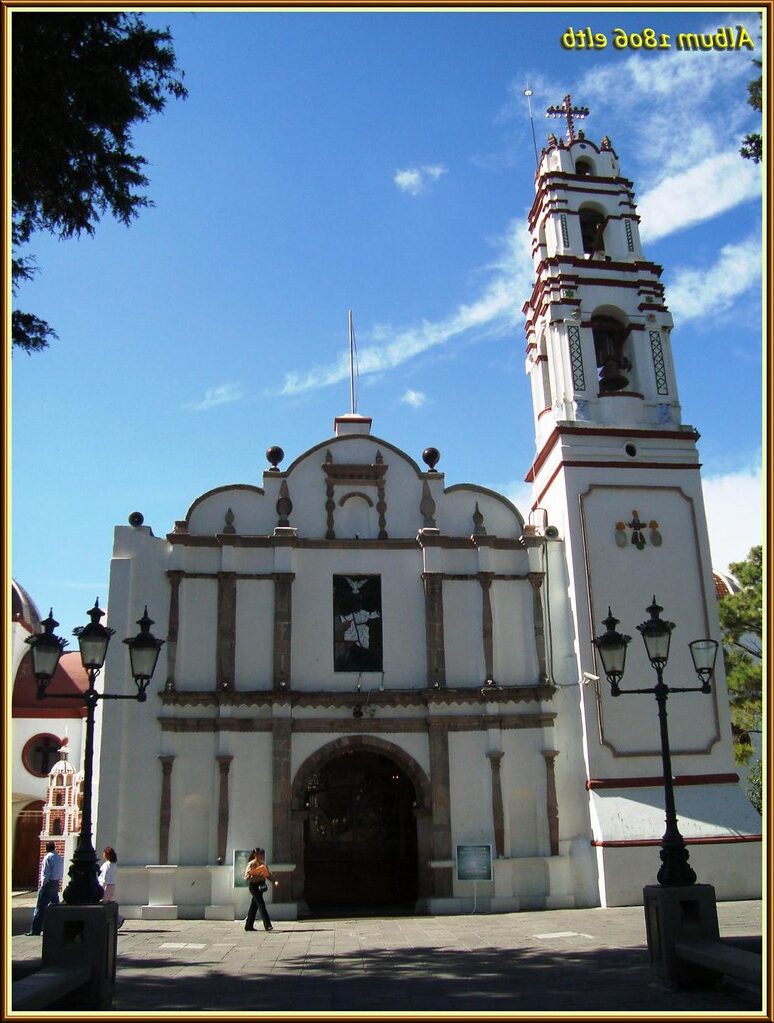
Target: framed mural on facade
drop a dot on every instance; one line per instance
(474, 862)
(241, 856)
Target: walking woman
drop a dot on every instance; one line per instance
(258, 875)
(107, 878)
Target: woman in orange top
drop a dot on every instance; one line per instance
(257, 875)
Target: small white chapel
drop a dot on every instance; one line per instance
(390, 682)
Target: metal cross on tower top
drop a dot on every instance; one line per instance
(568, 111)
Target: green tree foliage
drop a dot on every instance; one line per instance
(80, 81)
(755, 786)
(741, 618)
(752, 146)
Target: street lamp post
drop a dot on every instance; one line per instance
(93, 639)
(656, 633)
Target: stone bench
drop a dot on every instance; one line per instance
(45, 987)
(724, 959)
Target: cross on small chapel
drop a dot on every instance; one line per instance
(568, 111)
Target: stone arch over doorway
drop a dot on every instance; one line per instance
(364, 753)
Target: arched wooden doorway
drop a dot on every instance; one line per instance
(361, 831)
(26, 846)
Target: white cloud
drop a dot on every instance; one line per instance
(435, 171)
(409, 181)
(666, 104)
(225, 394)
(414, 398)
(662, 114)
(735, 513)
(493, 311)
(713, 289)
(414, 179)
(714, 186)
(733, 503)
(520, 494)
(697, 175)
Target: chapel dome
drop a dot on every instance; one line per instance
(725, 584)
(23, 608)
(62, 766)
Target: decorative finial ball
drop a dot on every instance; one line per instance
(430, 457)
(274, 456)
(136, 519)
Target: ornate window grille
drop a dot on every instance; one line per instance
(629, 235)
(576, 358)
(658, 362)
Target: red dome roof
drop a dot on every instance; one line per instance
(725, 584)
(69, 677)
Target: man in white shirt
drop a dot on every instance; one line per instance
(51, 874)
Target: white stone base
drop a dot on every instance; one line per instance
(446, 907)
(560, 902)
(506, 904)
(158, 912)
(283, 910)
(219, 913)
(223, 911)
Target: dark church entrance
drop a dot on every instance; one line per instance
(360, 839)
(26, 846)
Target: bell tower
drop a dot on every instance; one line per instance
(598, 331)
(616, 478)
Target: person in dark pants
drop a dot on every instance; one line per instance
(51, 875)
(258, 876)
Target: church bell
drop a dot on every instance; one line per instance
(612, 377)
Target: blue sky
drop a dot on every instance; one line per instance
(381, 162)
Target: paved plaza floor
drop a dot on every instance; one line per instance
(551, 962)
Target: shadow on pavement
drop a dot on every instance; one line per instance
(426, 979)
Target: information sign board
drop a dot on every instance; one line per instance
(474, 862)
(241, 856)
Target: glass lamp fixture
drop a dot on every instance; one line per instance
(612, 650)
(93, 639)
(704, 652)
(46, 649)
(144, 651)
(656, 634)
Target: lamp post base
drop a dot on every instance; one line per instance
(673, 914)
(83, 888)
(675, 870)
(84, 935)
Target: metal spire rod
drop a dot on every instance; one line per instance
(528, 93)
(352, 366)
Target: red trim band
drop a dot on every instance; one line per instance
(658, 780)
(634, 433)
(78, 711)
(628, 843)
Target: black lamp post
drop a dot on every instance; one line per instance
(93, 639)
(656, 634)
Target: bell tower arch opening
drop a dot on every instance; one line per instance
(613, 364)
(360, 834)
(593, 221)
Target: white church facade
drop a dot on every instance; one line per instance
(367, 671)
